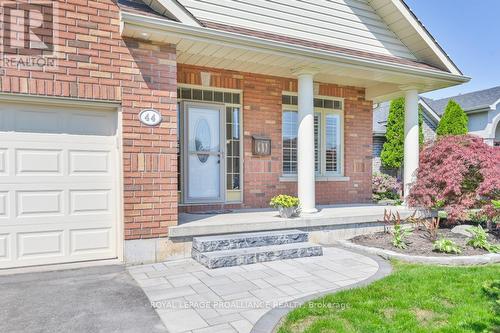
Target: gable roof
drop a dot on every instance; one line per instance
(381, 113)
(369, 28)
(469, 102)
(139, 7)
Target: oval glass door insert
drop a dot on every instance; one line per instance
(202, 139)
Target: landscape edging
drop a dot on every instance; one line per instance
(483, 259)
(270, 320)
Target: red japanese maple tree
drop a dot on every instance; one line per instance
(458, 173)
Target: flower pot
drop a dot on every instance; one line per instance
(287, 212)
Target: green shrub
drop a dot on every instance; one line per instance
(479, 240)
(284, 201)
(399, 236)
(445, 245)
(454, 120)
(392, 155)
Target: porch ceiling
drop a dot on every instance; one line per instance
(225, 50)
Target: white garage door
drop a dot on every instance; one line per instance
(58, 185)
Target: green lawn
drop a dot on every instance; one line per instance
(415, 298)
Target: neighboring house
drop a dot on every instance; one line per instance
(256, 98)
(482, 108)
(381, 112)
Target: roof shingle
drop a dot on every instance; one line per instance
(469, 101)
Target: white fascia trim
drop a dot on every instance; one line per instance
(179, 12)
(429, 110)
(59, 101)
(494, 105)
(251, 43)
(426, 36)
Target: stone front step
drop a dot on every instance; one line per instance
(252, 255)
(247, 240)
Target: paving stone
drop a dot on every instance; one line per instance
(232, 299)
(242, 295)
(279, 280)
(261, 283)
(153, 282)
(200, 288)
(242, 326)
(256, 274)
(224, 319)
(223, 328)
(157, 295)
(233, 288)
(254, 315)
(182, 321)
(218, 280)
(288, 290)
(237, 277)
(268, 294)
(330, 275)
(207, 313)
(179, 282)
(307, 286)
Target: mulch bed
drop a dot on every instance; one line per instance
(420, 245)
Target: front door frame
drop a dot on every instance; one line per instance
(185, 105)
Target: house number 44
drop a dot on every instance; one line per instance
(150, 117)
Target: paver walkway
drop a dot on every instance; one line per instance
(191, 298)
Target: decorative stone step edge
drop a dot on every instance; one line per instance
(254, 255)
(248, 240)
(483, 259)
(271, 320)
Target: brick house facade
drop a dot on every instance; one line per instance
(120, 55)
(262, 104)
(94, 62)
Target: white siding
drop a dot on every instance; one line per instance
(346, 23)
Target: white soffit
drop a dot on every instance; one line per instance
(413, 34)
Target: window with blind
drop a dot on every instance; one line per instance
(327, 136)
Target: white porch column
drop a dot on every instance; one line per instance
(411, 146)
(305, 144)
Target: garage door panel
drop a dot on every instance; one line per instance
(3, 161)
(90, 201)
(39, 203)
(4, 247)
(91, 240)
(40, 244)
(88, 161)
(39, 161)
(58, 185)
(4, 205)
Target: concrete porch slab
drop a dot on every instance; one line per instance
(363, 215)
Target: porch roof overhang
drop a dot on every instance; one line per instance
(216, 48)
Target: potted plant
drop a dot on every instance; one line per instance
(288, 206)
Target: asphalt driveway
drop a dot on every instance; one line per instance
(97, 299)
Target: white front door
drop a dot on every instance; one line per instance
(204, 153)
(58, 185)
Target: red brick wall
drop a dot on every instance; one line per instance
(262, 111)
(94, 62)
